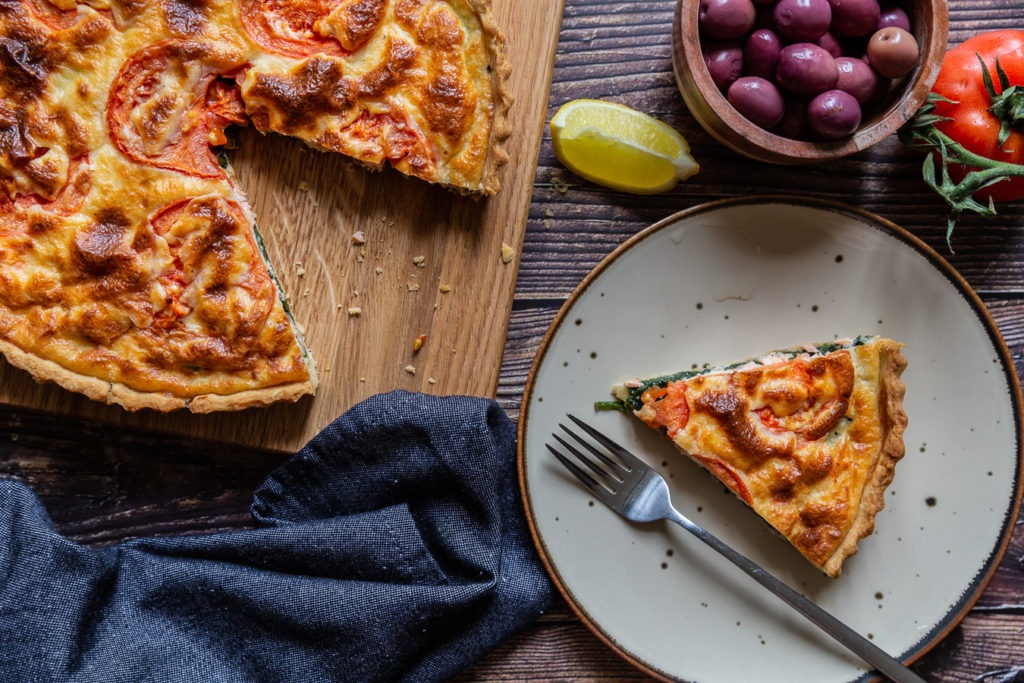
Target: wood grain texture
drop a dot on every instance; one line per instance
(103, 485)
(418, 238)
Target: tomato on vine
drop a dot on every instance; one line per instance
(973, 123)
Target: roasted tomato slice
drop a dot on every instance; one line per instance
(167, 106)
(66, 202)
(218, 275)
(302, 28)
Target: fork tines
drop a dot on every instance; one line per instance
(608, 472)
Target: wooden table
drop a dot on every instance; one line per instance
(102, 485)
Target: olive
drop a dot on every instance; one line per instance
(892, 52)
(806, 69)
(724, 62)
(829, 42)
(894, 16)
(726, 19)
(761, 53)
(854, 18)
(802, 20)
(857, 78)
(793, 123)
(833, 114)
(757, 99)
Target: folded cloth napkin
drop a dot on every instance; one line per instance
(392, 547)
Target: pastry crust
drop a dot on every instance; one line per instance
(130, 267)
(808, 438)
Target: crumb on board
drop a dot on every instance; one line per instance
(411, 369)
(444, 289)
(431, 380)
(413, 286)
(378, 270)
(418, 342)
(420, 261)
(300, 269)
(358, 238)
(507, 253)
(354, 311)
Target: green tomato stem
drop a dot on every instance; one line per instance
(920, 132)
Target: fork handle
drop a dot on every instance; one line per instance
(856, 643)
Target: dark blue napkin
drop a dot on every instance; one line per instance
(391, 548)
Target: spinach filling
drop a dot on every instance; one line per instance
(634, 400)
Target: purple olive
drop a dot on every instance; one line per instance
(802, 20)
(761, 53)
(893, 16)
(830, 43)
(724, 62)
(726, 19)
(854, 18)
(757, 99)
(857, 78)
(892, 52)
(806, 69)
(833, 114)
(793, 123)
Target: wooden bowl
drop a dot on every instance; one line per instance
(930, 26)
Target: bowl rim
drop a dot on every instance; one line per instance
(723, 122)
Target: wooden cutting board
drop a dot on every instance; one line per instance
(432, 264)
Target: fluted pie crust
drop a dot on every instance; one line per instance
(131, 270)
(809, 437)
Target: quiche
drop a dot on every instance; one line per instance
(131, 269)
(808, 437)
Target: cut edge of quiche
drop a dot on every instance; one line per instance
(808, 437)
(502, 99)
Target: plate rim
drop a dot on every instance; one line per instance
(980, 581)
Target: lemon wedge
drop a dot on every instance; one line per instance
(619, 147)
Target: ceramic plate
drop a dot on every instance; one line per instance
(726, 281)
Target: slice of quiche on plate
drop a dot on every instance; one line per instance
(808, 437)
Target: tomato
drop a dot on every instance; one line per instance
(667, 407)
(289, 28)
(215, 259)
(973, 124)
(166, 107)
(66, 202)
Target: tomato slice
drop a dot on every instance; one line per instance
(290, 28)
(210, 241)
(159, 111)
(66, 202)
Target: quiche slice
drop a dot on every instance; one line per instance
(808, 437)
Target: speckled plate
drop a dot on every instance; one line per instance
(729, 280)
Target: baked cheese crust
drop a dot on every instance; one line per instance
(130, 267)
(809, 438)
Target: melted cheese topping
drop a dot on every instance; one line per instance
(809, 442)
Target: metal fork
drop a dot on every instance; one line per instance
(638, 493)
